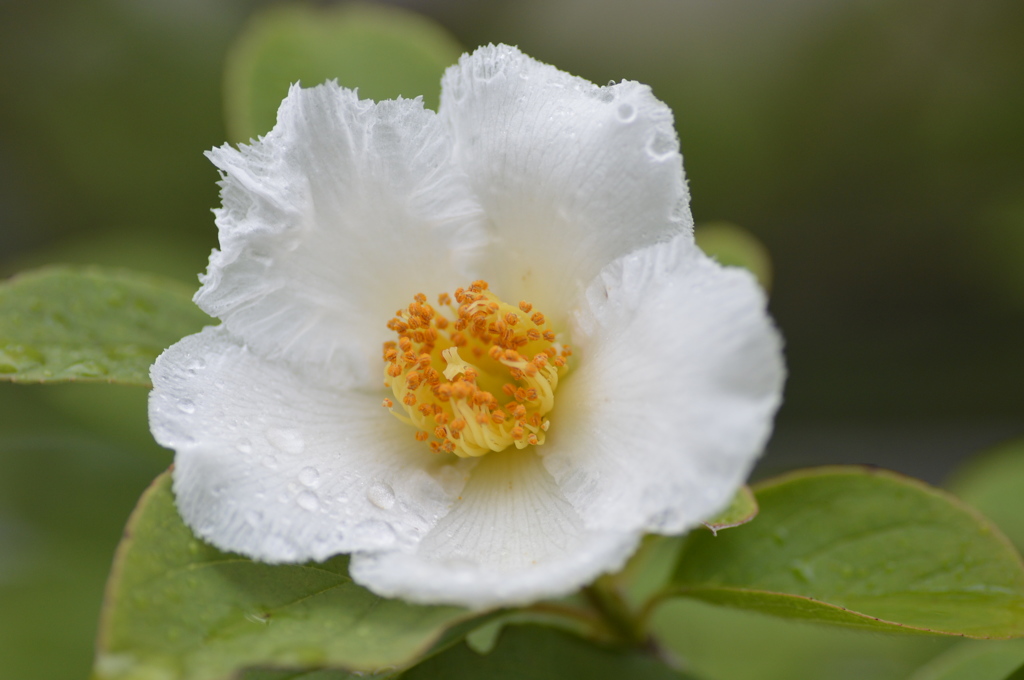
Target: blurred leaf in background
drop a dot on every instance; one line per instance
(384, 52)
(874, 147)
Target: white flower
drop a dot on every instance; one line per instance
(556, 192)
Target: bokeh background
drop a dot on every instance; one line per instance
(876, 147)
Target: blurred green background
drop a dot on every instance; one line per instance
(876, 147)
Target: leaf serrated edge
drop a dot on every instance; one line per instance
(902, 627)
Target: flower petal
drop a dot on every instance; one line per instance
(336, 218)
(571, 175)
(280, 469)
(512, 538)
(679, 375)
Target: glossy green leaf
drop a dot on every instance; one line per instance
(724, 643)
(68, 323)
(536, 653)
(864, 548)
(993, 482)
(741, 510)
(178, 609)
(383, 51)
(975, 660)
(734, 246)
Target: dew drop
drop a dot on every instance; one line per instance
(286, 439)
(661, 145)
(309, 476)
(244, 446)
(307, 500)
(270, 462)
(626, 112)
(86, 369)
(196, 364)
(186, 406)
(382, 495)
(803, 571)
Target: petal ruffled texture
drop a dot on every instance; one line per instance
(332, 221)
(556, 191)
(679, 376)
(282, 470)
(570, 175)
(511, 538)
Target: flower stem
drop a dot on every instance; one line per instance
(606, 599)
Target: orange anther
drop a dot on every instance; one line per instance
(537, 318)
(387, 403)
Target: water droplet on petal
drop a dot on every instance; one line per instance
(309, 476)
(307, 500)
(661, 145)
(270, 462)
(382, 495)
(286, 439)
(626, 112)
(244, 446)
(186, 406)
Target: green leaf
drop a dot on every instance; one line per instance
(69, 323)
(540, 653)
(383, 51)
(179, 609)
(864, 548)
(741, 510)
(993, 482)
(734, 246)
(724, 643)
(974, 660)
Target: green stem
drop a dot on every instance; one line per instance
(609, 603)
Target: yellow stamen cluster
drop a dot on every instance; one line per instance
(479, 379)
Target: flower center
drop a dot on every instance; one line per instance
(479, 379)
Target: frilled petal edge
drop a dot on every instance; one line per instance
(570, 175)
(343, 212)
(283, 470)
(511, 538)
(679, 377)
